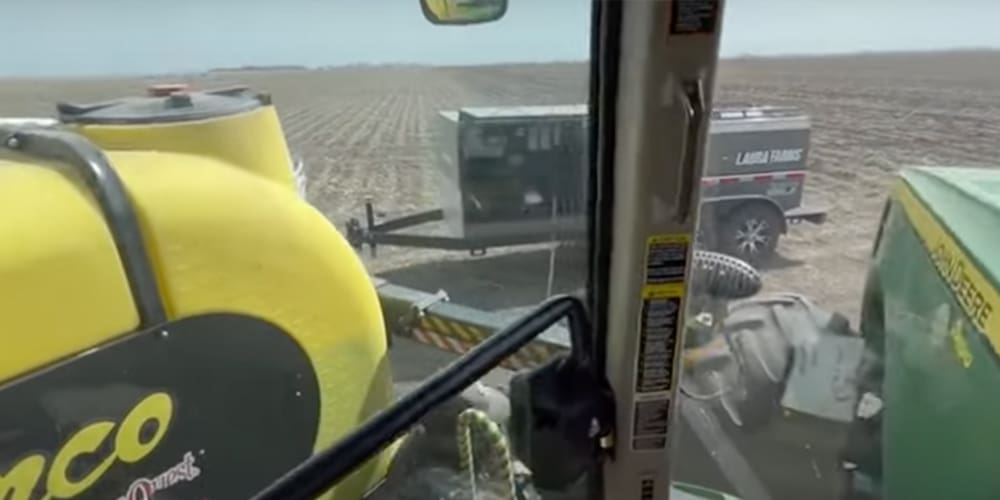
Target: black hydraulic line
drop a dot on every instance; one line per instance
(605, 55)
(103, 182)
(452, 243)
(404, 222)
(325, 469)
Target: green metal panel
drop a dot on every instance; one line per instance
(966, 200)
(941, 414)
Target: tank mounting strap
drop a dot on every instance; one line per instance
(103, 182)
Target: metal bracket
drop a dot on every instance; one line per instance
(692, 96)
(419, 309)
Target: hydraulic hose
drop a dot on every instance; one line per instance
(476, 423)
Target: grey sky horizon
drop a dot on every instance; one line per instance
(123, 37)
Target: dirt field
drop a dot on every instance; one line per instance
(365, 131)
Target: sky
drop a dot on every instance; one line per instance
(116, 37)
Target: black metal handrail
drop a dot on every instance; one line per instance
(325, 469)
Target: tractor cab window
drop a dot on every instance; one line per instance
(239, 244)
(851, 373)
(261, 226)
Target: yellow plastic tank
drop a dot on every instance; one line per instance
(235, 125)
(224, 232)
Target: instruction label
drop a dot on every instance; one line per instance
(666, 259)
(647, 488)
(659, 322)
(654, 443)
(651, 419)
(662, 293)
(693, 17)
(658, 344)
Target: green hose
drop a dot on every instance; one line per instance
(473, 422)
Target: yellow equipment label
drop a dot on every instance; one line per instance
(659, 331)
(666, 265)
(971, 289)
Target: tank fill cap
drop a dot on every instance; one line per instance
(170, 103)
(165, 89)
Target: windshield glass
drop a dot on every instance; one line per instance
(243, 231)
(333, 201)
(863, 367)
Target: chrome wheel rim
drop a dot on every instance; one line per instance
(752, 236)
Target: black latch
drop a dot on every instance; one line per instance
(559, 414)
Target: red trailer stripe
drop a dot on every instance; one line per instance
(730, 179)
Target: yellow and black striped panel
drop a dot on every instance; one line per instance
(451, 328)
(457, 338)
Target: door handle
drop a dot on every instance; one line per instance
(692, 98)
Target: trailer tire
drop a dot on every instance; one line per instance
(750, 232)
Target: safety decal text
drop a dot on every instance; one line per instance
(657, 344)
(659, 315)
(650, 421)
(693, 17)
(657, 351)
(666, 259)
(647, 489)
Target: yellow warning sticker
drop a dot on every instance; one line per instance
(657, 354)
(663, 291)
(666, 264)
(660, 312)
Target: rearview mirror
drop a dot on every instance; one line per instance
(461, 12)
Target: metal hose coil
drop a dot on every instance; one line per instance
(473, 422)
(724, 276)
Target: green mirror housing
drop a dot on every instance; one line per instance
(463, 12)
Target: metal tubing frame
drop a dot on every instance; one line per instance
(87, 161)
(384, 233)
(325, 469)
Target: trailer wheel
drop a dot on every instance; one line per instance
(750, 232)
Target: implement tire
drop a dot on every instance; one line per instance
(750, 232)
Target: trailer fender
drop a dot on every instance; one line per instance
(719, 208)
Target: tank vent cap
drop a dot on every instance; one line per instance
(166, 89)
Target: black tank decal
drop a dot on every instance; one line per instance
(209, 407)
